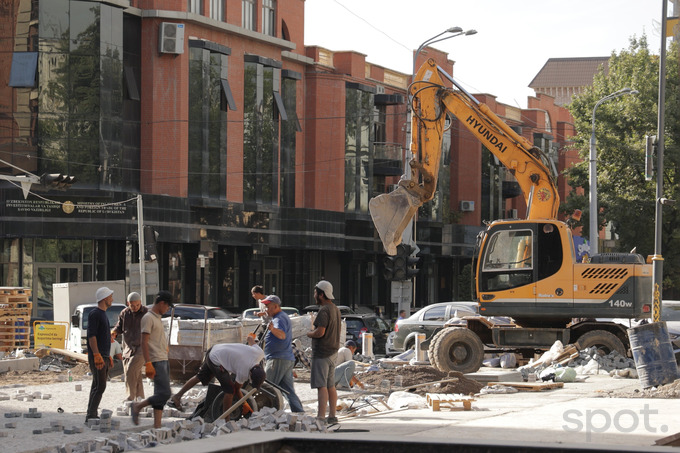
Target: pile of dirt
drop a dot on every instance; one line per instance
(415, 375)
(667, 391)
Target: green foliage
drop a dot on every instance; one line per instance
(624, 197)
(465, 283)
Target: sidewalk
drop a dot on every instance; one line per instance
(579, 413)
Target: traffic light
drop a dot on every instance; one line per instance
(405, 263)
(401, 266)
(150, 248)
(388, 267)
(57, 181)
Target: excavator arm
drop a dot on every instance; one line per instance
(431, 101)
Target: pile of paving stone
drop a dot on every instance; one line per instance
(267, 419)
(590, 361)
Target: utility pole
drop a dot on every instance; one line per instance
(140, 237)
(657, 259)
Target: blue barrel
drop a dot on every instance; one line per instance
(653, 354)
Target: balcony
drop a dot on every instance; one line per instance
(387, 159)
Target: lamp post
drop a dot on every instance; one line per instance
(455, 31)
(594, 230)
(409, 234)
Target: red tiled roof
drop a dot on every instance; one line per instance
(568, 72)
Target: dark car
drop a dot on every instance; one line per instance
(344, 309)
(357, 324)
(428, 320)
(199, 312)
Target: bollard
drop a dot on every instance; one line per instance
(420, 354)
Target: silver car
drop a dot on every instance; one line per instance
(428, 320)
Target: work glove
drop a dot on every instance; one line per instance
(111, 361)
(98, 361)
(150, 371)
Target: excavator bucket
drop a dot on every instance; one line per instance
(391, 213)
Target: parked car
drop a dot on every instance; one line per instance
(670, 312)
(344, 309)
(357, 324)
(428, 320)
(198, 312)
(251, 313)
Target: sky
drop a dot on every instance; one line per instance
(514, 38)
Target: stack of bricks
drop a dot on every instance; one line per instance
(15, 318)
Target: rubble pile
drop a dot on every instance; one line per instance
(266, 419)
(589, 361)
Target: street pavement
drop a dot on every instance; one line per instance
(579, 415)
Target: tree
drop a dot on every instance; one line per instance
(624, 197)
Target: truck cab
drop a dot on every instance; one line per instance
(77, 341)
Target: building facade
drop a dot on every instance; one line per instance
(255, 155)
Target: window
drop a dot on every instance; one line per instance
(508, 260)
(435, 314)
(261, 115)
(358, 145)
(269, 17)
(195, 6)
(209, 97)
(289, 131)
(248, 16)
(24, 65)
(217, 9)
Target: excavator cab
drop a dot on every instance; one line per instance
(518, 261)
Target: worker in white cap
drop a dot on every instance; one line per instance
(130, 326)
(98, 350)
(325, 341)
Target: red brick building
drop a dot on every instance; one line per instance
(255, 155)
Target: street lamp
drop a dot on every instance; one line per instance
(455, 31)
(410, 229)
(594, 230)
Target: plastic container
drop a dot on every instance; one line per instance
(653, 354)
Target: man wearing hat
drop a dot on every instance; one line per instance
(278, 351)
(98, 350)
(220, 362)
(325, 341)
(155, 353)
(130, 326)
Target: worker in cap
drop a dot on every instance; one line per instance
(155, 351)
(325, 341)
(278, 351)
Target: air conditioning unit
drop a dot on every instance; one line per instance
(467, 206)
(171, 38)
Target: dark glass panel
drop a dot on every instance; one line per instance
(54, 19)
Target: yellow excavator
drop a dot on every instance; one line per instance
(523, 269)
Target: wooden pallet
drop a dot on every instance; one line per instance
(8, 312)
(532, 386)
(15, 290)
(437, 401)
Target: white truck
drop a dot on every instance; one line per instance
(73, 303)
